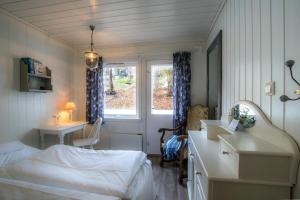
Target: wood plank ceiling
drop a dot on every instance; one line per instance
(118, 22)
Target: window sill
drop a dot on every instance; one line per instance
(122, 118)
(161, 112)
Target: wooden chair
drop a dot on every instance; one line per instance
(194, 115)
(93, 138)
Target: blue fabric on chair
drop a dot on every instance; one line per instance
(171, 148)
(181, 88)
(94, 93)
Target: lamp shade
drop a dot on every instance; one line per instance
(91, 59)
(70, 106)
(91, 56)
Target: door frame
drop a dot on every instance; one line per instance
(216, 41)
(148, 97)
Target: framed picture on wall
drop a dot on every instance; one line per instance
(39, 68)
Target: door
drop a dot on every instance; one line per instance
(214, 78)
(159, 102)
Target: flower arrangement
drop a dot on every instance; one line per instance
(244, 115)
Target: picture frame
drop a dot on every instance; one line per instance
(234, 125)
(39, 68)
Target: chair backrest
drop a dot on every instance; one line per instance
(194, 115)
(95, 132)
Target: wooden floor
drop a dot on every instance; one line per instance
(166, 181)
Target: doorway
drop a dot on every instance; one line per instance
(214, 78)
(159, 102)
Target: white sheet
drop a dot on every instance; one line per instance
(13, 152)
(11, 147)
(142, 187)
(103, 172)
(18, 190)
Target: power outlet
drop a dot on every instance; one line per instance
(270, 88)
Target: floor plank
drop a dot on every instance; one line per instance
(166, 181)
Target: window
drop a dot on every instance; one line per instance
(162, 89)
(120, 90)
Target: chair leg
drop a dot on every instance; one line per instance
(182, 170)
(161, 163)
(180, 180)
(181, 174)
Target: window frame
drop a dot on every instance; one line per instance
(152, 111)
(137, 116)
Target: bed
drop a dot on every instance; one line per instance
(15, 189)
(119, 174)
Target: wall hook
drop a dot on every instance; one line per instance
(290, 64)
(285, 98)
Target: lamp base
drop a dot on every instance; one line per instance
(71, 115)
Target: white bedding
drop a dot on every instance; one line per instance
(13, 152)
(142, 186)
(19, 190)
(112, 173)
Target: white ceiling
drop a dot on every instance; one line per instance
(118, 22)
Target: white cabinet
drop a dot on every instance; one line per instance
(254, 159)
(260, 164)
(199, 192)
(217, 179)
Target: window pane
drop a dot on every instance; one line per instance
(120, 90)
(162, 89)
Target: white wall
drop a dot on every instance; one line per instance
(258, 37)
(142, 54)
(21, 112)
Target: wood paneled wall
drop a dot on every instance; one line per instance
(21, 112)
(258, 37)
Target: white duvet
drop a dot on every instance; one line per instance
(102, 172)
(17, 190)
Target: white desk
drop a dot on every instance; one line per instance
(60, 130)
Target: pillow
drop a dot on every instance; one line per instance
(13, 152)
(194, 115)
(11, 147)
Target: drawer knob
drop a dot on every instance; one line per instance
(199, 173)
(225, 152)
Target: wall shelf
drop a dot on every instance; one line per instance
(30, 82)
(40, 91)
(39, 76)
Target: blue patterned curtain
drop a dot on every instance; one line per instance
(94, 93)
(181, 87)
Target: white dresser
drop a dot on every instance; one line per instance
(257, 164)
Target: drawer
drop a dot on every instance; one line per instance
(199, 174)
(229, 157)
(199, 195)
(200, 177)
